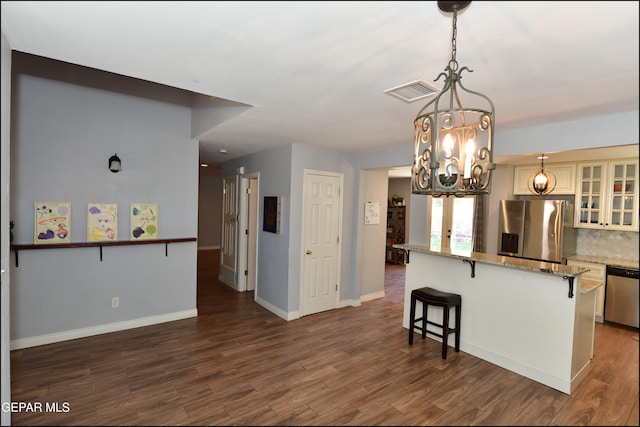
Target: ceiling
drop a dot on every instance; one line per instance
(315, 72)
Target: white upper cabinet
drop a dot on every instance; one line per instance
(607, 195)
(565, 174)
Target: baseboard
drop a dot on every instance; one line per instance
(206, 248)
(369, 297)
(228, 283)
(277, 311)
(101, 329)
(349, 303)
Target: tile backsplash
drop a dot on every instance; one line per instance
(607, 244)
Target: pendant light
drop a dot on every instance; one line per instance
(453, 145)
(542, 182)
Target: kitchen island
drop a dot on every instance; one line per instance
(533, 318)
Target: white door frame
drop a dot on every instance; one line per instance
(252, 244)
(248, 232)
(243, 220)
(303, 237)
(229, 240)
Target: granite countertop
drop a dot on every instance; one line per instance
(504, 261)
(588, 285)
(606, 261)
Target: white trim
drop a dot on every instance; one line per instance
(562, 384)
(101, 329)
(278, 312)
(349, 303)
(369, 297)
(206, 248)
(226, 282)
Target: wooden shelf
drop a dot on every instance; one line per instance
(395, 234)
(26, 247)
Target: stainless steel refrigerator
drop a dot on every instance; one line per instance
(540, 230)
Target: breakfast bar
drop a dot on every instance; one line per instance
(533, 318)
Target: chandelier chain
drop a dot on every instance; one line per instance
(453, 64)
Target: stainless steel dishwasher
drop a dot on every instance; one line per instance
(622, 296)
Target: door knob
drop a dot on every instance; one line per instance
(309, 252)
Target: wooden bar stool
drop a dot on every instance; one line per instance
(429, 296)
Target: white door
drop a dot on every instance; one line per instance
(321, 241)
(452, 223)
(229, 225)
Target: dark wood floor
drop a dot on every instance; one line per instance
(239, 364)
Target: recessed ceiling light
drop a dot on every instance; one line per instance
(223, 151)
(204, 165)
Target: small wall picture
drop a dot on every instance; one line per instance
(271, 219)
(372, 213)
(144, 221)
(102, 222)
(52, 222)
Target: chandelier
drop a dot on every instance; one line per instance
(542, 182)
(453, 144)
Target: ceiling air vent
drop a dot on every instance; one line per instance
(413, 91)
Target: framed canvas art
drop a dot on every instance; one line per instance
(52, 222)
(144, 221)
(102, 222)
(271, 220)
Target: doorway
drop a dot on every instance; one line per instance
(452, 223)
(238, 254)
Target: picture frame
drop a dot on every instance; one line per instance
(102, 222)
(144, 221)
(52, 222)
(372, 213)
(271, 214)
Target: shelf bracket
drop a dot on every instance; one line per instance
(100, 253)
(16, 259)
(473, 267)
(166, 249)
(570, 284)
(406, 252)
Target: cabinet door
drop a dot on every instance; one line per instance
(596, 272)
(565, 174)
(623, 200)
(590, 195)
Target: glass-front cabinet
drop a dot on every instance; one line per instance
(607, 195)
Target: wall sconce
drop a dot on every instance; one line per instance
(542, 182)
(115, 164)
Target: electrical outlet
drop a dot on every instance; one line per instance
(115, 302)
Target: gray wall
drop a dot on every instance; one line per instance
(5, 322)
(619, 128)
(280, 255)
(274, 166)
(209, 210)
(374, 188)
(63, 131)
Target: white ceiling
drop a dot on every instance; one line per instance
(315, 72)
